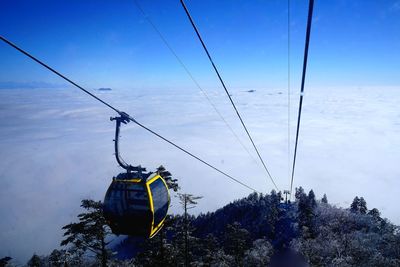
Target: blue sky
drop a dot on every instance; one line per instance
(108, 43)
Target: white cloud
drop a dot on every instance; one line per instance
(56, 148)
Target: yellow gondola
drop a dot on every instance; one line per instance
(136, 203)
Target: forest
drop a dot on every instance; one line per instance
(258, 230)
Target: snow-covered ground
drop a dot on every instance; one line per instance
(56, 148)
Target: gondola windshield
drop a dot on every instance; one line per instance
(159, 195)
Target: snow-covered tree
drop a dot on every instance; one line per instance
(237, 241)
(363, 206)
(259, 254)
(90, 233)
(5, 261)
(324, 199)
(359, 205)
(35, 261)
(188, 201)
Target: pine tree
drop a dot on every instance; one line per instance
(324, 199)
(35, 261)
(259, 254)
(56, 258)
(299, 193)
(359, 205)
(4, 261)
(374, 213)
(188, 201)
(311, 199)
(59, 258)
(90, 233)
(354, 207)
(237, 241)
(273, 213)
(157, 251)
(363, 206)
(306, 206)
(209, 250)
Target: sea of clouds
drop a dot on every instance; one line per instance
(56, 148)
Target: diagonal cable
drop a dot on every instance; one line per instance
(123, 114)
(145, 15)
(227, 92)
(303, 78)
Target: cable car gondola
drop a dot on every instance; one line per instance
(136, 202)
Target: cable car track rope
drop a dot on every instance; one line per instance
(303, 77)
(226, 91)
(124, 114)
(147, 17)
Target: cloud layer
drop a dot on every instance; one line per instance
(56, 148)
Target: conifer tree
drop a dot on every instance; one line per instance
(324, 199)
(157, 251)
(359, 205)
(210, 248)
(237, 241)
(188, 201)
(374, 213)
(363, 206)
(35, 261)
(57, 258)
(299, 193)
(306, 206)
(4, 261)
(90, 233)
(311, 199)
(273, 214)
(354, 207)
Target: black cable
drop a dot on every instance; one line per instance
(303, 77)
(190, 154)
(226, 91)
(123, 113)
(56, 72)
(192, 77)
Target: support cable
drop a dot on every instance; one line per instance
(147, 17)
(124, 115)
(227, 92)
(309, 22)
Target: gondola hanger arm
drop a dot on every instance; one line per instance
(125, 119)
